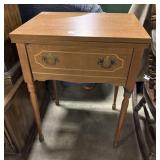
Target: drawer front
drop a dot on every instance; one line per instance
(84, 61)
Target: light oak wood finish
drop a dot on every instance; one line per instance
(129, 86)
(81, 47)
(30, 84)
(102, 27)
(83, 62)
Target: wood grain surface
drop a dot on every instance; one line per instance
(12, 19)
(106, 27)
(75, 61)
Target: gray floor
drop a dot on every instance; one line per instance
(83, 128)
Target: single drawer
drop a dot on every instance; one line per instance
(72, 61)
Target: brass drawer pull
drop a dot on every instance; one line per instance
(50, 59)
(106, 62)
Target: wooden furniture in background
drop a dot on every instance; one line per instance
(19, 127)
(153, 16)
(145, 124)
(20, 130)
(81, 47)
(12, 70)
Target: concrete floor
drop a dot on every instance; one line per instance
(83, 128)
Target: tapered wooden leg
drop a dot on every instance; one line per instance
(122, 115)
(115, 97)
(55, 88)
(129, 86)
(35, 108)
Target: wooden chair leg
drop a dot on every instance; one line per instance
(115, 97)
(35, 108)
(55, 88)
(122, 115)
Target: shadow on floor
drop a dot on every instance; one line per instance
(84, 135)
(77, 93)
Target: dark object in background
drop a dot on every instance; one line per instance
(30, 10)
(139, 87)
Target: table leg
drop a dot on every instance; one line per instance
(35, 107)
(122, 115)
(115, 97)
(129, 86)
(56, 92)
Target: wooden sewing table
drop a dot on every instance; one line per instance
(81, 47)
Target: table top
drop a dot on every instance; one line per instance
(80, 26)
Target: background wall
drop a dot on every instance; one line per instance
(122, 8)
